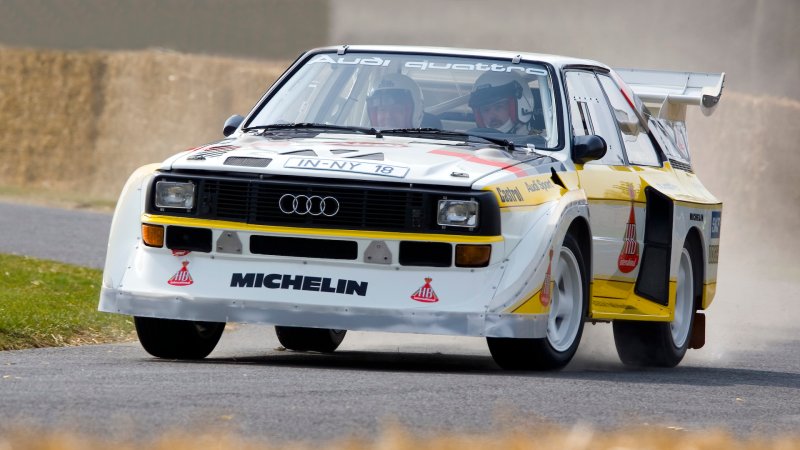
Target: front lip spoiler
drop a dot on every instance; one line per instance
(336, 317)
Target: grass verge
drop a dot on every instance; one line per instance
(48, 304)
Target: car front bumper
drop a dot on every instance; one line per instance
(337, 317)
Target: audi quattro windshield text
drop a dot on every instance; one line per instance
(427, 65)
(299, 283)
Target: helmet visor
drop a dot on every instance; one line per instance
(389, 97)
(486, 93)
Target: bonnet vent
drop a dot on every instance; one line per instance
(247, 162)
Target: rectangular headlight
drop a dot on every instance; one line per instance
(174, 194)
(457, 213)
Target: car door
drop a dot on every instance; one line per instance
(617, 201)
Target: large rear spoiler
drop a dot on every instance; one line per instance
(667, 94)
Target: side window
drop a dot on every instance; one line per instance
(589, 114)
(638, 146)
(582, 121)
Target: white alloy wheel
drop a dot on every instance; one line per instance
(566, 312)
(684, 300)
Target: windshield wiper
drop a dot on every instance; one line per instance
(505, 143)
(314, 126)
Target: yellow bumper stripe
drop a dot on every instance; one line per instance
(226, 225)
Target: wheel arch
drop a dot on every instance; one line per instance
(579, 228)
(694, 241)
(125, 231)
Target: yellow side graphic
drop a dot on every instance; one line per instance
(531, 305)
(615, 299)
(529, 191)
(709, 291)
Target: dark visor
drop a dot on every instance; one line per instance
(387, 97)
(486, 93)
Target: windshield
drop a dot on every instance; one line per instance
(406, 92)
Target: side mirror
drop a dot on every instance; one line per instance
(232, 124)
(588, 148)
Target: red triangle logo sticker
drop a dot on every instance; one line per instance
(182, 277)
(547, 295)
(629, 255)
(425, 293)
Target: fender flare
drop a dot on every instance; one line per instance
(527, 263)
(126, 230)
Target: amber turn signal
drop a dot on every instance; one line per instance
(468, 255)
(153, 235)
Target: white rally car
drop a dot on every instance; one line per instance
(507, 195)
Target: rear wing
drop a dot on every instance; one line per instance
(667, 94)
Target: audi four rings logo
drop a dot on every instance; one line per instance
(304, 204)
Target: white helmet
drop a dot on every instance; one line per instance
(397, 89)
(494, 86)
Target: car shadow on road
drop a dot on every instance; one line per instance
(438, 363)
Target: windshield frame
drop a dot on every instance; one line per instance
(553, 77)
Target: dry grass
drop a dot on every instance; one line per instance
(55, 199)
(83, 121)
(393, 438)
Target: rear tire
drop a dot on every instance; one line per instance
(178, 339)
(565, 324)
(662, 344)
(302, 339)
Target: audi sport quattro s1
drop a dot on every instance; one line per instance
(512, 196)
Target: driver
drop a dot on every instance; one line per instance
(502, 101)
(395, 103)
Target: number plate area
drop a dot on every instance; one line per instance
(337, 165)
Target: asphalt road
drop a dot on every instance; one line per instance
(76, 237)
(746, 379)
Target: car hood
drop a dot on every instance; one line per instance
(348, 156)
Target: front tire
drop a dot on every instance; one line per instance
(662, 344)
(302, 339)
(178, 339)
(565, 323)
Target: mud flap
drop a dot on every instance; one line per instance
(653, 280)
(698, 337)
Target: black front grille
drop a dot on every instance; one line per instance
(361, 206)
(258, 203)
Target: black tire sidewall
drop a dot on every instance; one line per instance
(323, 340)
(177, 339)
(650, 344)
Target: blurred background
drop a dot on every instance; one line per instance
(91, 89)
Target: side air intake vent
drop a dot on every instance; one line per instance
(681, 165)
